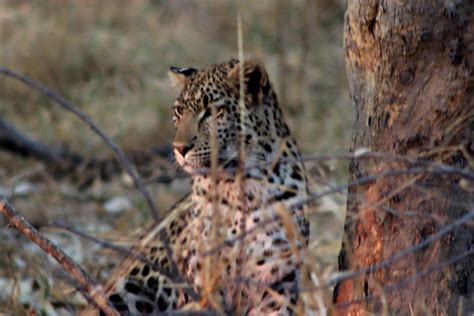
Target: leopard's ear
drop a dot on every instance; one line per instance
(255, 79)
(179, 76)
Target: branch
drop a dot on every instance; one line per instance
(407, 281)
(11, 139)
(312, 198)
(27, 230)
(63, 162)
(88, 121)
(125, 164)
(416, 161)
(174, 276)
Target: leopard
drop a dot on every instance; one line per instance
(235, 244)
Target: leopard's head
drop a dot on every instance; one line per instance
(208, 117)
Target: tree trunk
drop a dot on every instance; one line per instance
(410, 233)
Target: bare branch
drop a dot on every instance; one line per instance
(123, 160)
(400, 254)
(408, 280)
(86, 283)
(121, 157)
(417, 162)
(333, 189)
(173, 276)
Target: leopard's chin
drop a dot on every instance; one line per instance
(193, 167)
(203, 166)
(189, 168)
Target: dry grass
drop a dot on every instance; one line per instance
(112, 61)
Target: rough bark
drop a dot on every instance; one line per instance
(410, 66)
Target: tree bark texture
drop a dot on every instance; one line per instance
(410, 70)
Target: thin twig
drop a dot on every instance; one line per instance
(408, 280)
(121, 157)
(25, 228)
(173, 276)
(317, 196)
(400, 254)
(385, 263)
(434, 167)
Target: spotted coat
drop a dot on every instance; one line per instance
(238, 239)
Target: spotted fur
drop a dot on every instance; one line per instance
(238, 238)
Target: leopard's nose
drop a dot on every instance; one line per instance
(183, 149)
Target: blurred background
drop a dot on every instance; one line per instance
(111, 60)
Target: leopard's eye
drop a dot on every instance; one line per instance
(219, 109)
(178, 111)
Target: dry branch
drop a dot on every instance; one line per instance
(174, 276)
(65, 163)
(121, 157)
(406, 281)
(93, 291)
